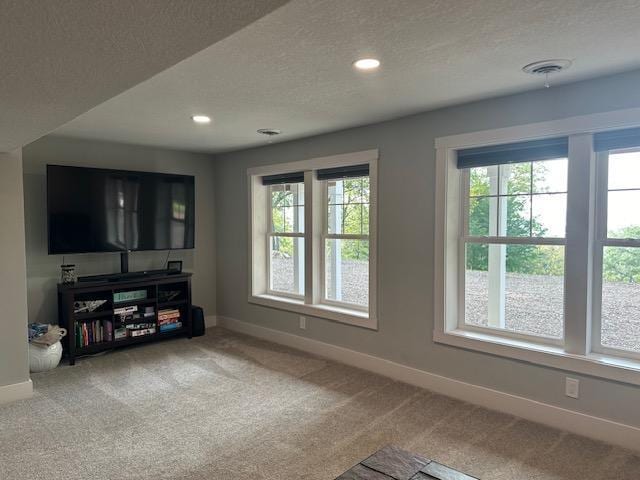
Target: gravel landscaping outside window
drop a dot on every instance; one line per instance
(355, 279)
(534, 305)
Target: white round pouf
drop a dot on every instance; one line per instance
(42, 359)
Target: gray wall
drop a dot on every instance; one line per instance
(406, 193)
(43, 271)
(13, 291)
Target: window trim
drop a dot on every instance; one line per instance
(577, 355)
(270, 234)
(258, 227)
(602, 240)
(325, 235)
(465, 238)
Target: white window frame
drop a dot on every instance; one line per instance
(576, 353)
(333, 236)
(602, 241)
(270, 235)
(311, 304)
(465, 239)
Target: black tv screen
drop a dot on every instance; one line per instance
(98, 210)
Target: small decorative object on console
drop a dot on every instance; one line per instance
(87, 306)
(174, 266)
(68, 273)
(168, 295)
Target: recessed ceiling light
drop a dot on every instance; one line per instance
(367, 64)
(201, 119)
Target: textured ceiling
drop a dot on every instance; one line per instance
(59, 58)
(292, 68)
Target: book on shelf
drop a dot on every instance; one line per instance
(120, 333)
(170, 316)
(129, 315)
(168, 327)
(141, 332)
(137, 326)
(168, 320)
(92, 332)
(125, 310)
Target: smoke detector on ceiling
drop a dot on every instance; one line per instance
(546, 68)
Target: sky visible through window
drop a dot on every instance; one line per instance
(555, 180)
(623, 203)
(623, 200)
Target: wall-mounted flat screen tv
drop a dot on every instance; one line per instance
(98, 210)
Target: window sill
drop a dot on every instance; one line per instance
(597, 365)
(329, 312)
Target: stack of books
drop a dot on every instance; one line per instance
(134, 323)
(125, 314)
(96, 331)
(169, 320)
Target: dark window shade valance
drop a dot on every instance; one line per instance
(616, 139)
(344, 172)
(293, 177)
(530, 151)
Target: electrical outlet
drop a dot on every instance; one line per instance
(303, 323)
(572, 387)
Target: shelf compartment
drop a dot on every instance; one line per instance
(132, 303)
(173, 292)
(178, 331)
(79, 317)
(173, 303)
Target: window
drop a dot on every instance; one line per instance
(617, 253)
(538, 246)
(286, 239)
(346, 242)
(313, 237)
(513, 238)
(514, 247)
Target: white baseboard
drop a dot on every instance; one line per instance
(16, 391)
(210, 321)
(580, 423)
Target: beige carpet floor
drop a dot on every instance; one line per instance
(227, 406)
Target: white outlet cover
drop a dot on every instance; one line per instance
(303, 323)
(572, 387)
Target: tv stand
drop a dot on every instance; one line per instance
(153, 297)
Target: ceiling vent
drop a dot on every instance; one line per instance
(269, 132)
(546, 68)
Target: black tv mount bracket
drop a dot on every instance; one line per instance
(124, 261)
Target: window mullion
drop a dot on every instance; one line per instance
(463, 228)
(602, 171)
(579, 244)
(314, 195)
(269, 228)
